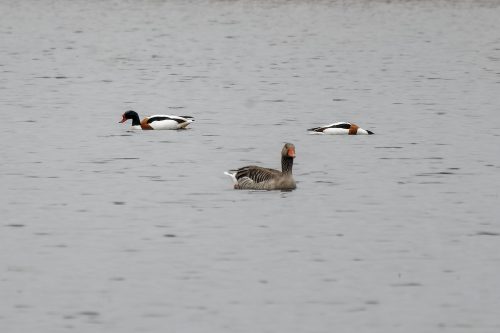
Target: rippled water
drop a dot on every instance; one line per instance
(107, 230)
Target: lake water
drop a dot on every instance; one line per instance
(108, 230)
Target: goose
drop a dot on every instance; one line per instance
(257, 178)
(340, 128)
(157, 122)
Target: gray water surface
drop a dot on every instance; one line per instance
(108, 230)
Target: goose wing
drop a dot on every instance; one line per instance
(257, 174)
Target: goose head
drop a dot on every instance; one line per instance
(288, 151)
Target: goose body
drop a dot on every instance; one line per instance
(340, 128)
(258, 178)
(157, 122)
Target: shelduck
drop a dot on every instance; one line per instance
(157, 122)
(340, 128)
(257, 178)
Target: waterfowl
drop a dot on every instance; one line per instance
(157, 122)
(257, 178)
(340, 128)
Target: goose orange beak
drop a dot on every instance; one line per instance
(291, 152)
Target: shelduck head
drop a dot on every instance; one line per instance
(288, 150)
(131, 115)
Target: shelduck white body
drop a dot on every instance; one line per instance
(157, 122)
(339, 128)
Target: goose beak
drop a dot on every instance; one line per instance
(291, 152)
(123, 120)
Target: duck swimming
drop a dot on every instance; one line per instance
(157, 122)
(257, 178)
(340, 128)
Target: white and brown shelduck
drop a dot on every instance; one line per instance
(340, 128)
(257, 178)
(157, 122)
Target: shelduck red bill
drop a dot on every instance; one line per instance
(123, 119)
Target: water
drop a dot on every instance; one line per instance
(106, 230)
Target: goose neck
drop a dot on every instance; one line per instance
(286, 165)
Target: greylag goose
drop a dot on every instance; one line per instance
(257, 178)
(340, 128)
(157, 122)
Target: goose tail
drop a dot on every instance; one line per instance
(232, 175)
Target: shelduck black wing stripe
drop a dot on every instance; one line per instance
(321, 129)
(152, 119)
(343, 125)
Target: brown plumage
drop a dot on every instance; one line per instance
(257, 178)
